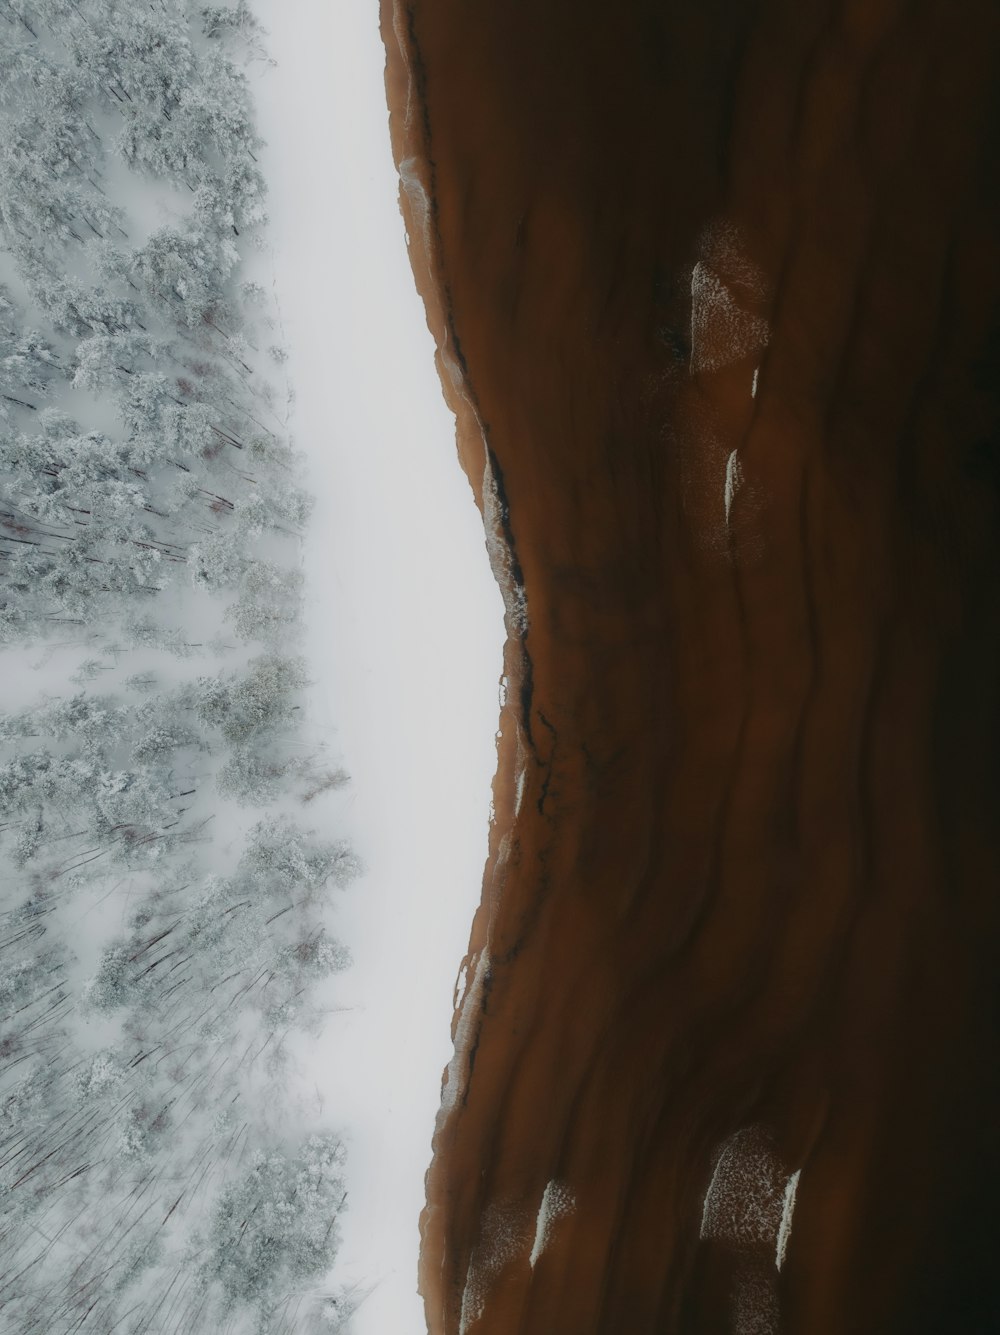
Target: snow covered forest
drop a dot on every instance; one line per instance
(166, 901)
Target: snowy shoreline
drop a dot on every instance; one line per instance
(397, 571)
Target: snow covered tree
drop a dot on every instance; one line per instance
(252, 779)
(243, 708)
(275, 1229)
(77, 522)
(49, 191)
(218, 563)
(254, 934)
(186, 271)
(28, 361)
(140, 59)
(117, 983)
(95, 723)
(236, 24)
(288, 860)
(162, 426)
(282, 507)
(143, 631)
(108, 361)
(271, 619)
(27, 978)
(75, 307)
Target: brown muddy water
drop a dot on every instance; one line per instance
(716, 293)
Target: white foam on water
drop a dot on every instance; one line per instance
(756, 1308)
(722, 332)
(734, 479)
(745, 1199)
(398, 21)
(753, 387)
(503, 1235)
(749, 1205)
(787, 1211)
(557, 1203)
(522, 778)
(721, 246)
(420, 205)
(454, 370)
(467, 1016)
(521, 762)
